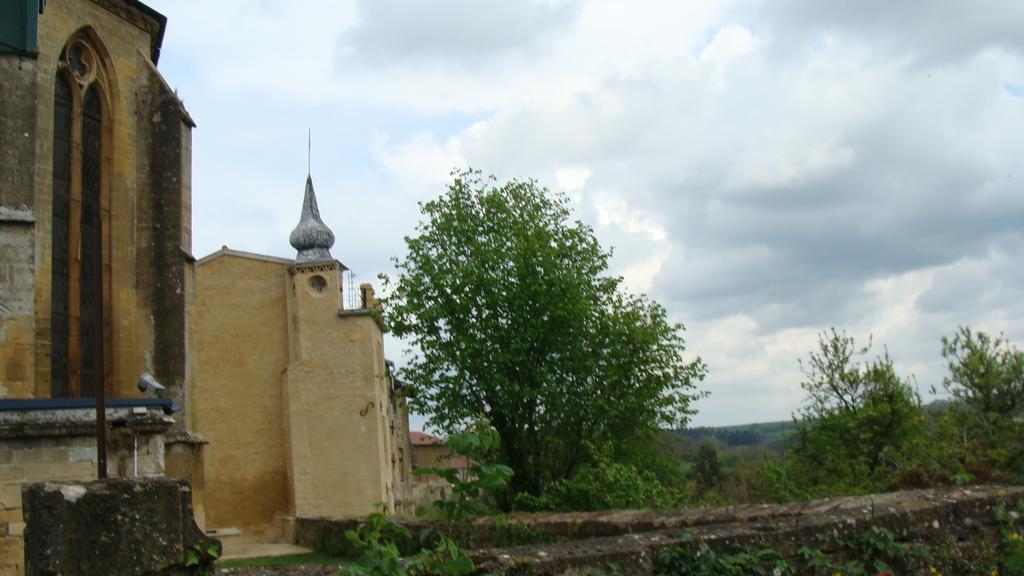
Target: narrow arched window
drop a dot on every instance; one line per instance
(59, 234)
(90, 289)
(78, 273)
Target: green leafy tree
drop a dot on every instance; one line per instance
(514, 316)
(707, 470)
(985, 373)
(859, 418)
(986, 376)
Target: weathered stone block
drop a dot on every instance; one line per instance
(10, 496)
(112, 528)
(12, 550)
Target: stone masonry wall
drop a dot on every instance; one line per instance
(959, 524)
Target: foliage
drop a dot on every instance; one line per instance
(685, 561)
(513, 316)
(863, 428)
(986, 376)
(985, 373)
(874, 551)
(771, 481)
(707, 469)
(477, 444)
(603, 484)
(858, 419)
(379, 540)
(200, 557)
(1012, 545)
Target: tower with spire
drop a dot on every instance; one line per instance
(341, 422)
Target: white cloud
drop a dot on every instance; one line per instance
(420, 161)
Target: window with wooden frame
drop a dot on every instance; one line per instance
(80, 232)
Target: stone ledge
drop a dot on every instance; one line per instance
(79, 422)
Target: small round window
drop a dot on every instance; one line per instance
(317, 284)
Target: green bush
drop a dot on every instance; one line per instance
(603, 484)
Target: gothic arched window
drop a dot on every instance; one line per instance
(79, 279)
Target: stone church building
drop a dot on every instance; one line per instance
(277, 401)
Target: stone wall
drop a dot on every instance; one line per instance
(60, 445)
(113, 528)
(960, 525)
(237, 400)
(292, 393)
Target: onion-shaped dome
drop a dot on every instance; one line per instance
(311, 237)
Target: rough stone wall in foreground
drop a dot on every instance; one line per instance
(112, 528)
(959, 525)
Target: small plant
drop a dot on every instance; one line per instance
(685, 561)
(961, 478)
(379, 540)
(445, 559)
(1012, 557)
(469, 488)
(200, 556)
(876, 551)
(815, 561)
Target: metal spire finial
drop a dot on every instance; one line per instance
(311, 237)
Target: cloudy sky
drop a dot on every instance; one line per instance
(763, 169)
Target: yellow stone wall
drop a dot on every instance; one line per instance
(293, 396)
(242, 341)
(337, 401)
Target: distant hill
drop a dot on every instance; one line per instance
(772, 434)
(769, 433)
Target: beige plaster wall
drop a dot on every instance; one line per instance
(242, 348)
(337, 402)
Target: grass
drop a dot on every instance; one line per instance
(309, 559)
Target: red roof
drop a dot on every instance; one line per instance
(423, 439)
